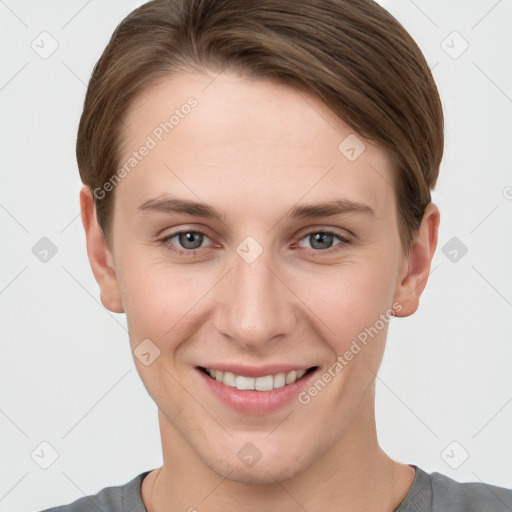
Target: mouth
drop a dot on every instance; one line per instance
(263, 383)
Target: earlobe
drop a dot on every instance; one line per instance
(417, 265)
(100, 257)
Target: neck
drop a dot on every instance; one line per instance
(354, 475)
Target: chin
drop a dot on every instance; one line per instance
(271, 468)
(261, 474)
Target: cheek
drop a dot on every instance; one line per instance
(156, 295)
(159, 304)
(348, 297)
(167, 303)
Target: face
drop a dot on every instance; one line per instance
(249, 242)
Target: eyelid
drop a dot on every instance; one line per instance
(343, 234)
(187, 229)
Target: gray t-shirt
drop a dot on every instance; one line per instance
(429, 492)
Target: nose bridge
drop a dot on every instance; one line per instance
(254, 306)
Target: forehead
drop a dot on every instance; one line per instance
(246, 138)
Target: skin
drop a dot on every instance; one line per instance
(253, 149)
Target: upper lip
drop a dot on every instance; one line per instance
(256, 371)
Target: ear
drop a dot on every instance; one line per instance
(100, 256)
(416, 267)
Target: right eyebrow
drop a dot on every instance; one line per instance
(167, 204)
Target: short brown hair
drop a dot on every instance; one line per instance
(352, 54)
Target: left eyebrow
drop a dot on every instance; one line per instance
(337, 207)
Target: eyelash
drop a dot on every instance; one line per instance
(344, 240)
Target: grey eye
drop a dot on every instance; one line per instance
(321, 240)
(190, 239)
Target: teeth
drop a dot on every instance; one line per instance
(244, 382)
(266, 383)
(279, 380)
(291, 377)
(228, 378)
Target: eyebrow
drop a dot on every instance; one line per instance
(174, 205)
(184, 206)
(336, 207)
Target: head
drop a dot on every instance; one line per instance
(309, 136)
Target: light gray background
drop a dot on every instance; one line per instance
(67, 375)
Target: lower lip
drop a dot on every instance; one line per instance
(256, 402)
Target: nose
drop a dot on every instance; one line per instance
(255, 306)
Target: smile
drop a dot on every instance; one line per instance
(264, 383)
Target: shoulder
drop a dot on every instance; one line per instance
(119, 498)
(435, 492)
(448, 494)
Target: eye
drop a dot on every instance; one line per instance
(187, 241)
(323, 240)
